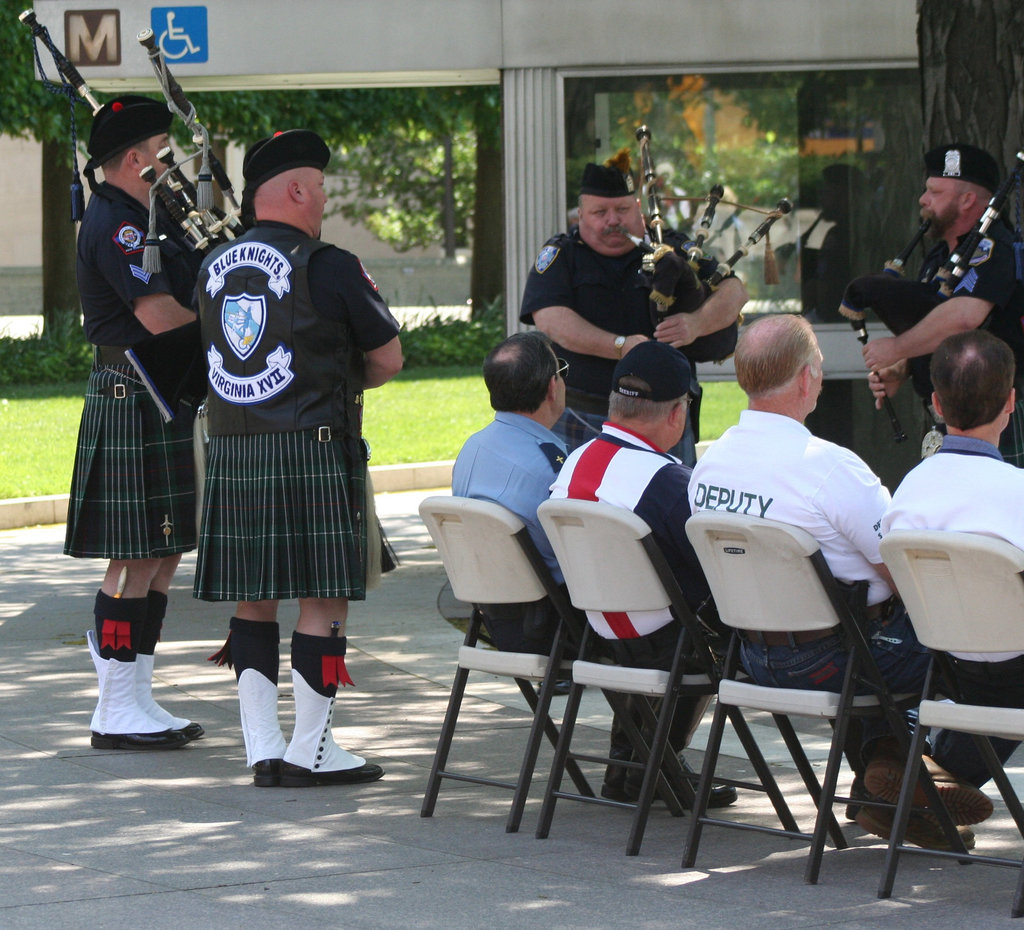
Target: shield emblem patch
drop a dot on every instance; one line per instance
(242, 319)
(546, 257)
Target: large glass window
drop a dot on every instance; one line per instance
(843, 146)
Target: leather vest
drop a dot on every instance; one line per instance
(274, 364)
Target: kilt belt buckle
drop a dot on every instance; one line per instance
(120, 391)
(323, 434)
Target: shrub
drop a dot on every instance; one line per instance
(454, 342)
(59, 354)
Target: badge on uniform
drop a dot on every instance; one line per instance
(242, 317)
(129, 239)
(368, 277)
(547, 255)
(555, 454)
(983, 252)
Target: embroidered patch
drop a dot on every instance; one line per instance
(242, 318)
(983, 252)
(250, 255)
(143, 276)
(253, 389)
(547, 255)
(130, 239)
(368, 277)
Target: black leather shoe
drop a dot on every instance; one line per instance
(192, 731)
(166, 739)
(295, 776)
(721, 795)
(267, 774)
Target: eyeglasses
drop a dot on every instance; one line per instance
(561, 367)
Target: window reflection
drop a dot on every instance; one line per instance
(844, 146)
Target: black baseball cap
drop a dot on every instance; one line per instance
(665, 370)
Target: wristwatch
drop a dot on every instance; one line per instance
(620, 341)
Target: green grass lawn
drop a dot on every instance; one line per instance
(422, 416)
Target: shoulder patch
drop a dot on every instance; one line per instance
(547, 255)
(983, 252)
(555, 455)
(366, 275)
(129, 238)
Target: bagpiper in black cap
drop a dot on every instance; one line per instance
(966, 162)
(664, 370)
(124, 122)
(612, 179)
(283, 151)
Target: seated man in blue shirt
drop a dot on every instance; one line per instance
(513, 461)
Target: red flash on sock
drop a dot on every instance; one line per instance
(116, 634)
(334, 671)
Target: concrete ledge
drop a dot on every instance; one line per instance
(33, 511)
(20, 512)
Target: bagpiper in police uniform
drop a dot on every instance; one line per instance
(293, 329)
(132, 494)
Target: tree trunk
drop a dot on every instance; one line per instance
(487, 274)
(972, 74)
(61, 305)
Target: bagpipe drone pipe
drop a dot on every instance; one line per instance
(682, 278)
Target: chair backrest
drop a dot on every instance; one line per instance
(764, 575)
(600, 551)
(482, 546)
(964, 591)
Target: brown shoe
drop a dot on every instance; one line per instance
(922, 829)
(965, 803)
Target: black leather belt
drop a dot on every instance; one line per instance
(776, 638)
(586, 403)
(110, 355)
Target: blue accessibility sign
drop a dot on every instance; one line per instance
(181, 32)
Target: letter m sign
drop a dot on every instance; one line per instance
(93, 37)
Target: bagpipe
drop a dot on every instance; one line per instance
(171, 363)
(901, 304)
(683, 278)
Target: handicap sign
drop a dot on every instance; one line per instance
(181, 32)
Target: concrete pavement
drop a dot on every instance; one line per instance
(94, 839)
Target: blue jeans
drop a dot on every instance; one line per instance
(991, 684)
(820, 665)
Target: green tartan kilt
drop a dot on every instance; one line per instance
(133, 485)
(283, 518)
(1011, 442)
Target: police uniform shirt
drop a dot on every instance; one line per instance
(991, 276)
(966, 487)
(623, 469)
(771, 466)
(110, 275)
(512, 462)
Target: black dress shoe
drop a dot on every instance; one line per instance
(192, 731)
(721, 795)
(267, 774)
(166, 739)
(295, 776)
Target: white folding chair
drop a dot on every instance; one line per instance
(771, 578)
(611, 562)
(490, 559)
(964, 593)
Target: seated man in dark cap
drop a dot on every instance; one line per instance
(133, 490)
(294, 330)
(587, 292)
(960, 182)
(627, 466)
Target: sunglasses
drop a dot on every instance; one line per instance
(561, 367)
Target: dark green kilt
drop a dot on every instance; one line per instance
(133, 488)
(1011, 442)
(282, 519)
